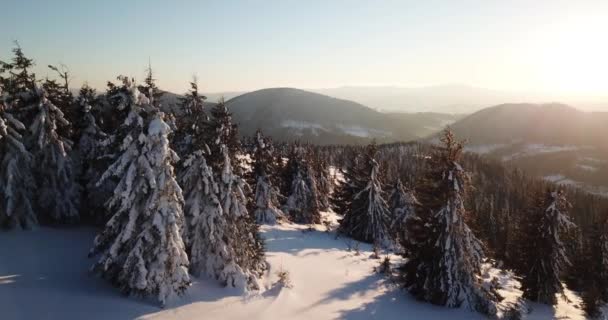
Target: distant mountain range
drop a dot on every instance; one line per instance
(442, 99)
(453, 99)
(552, 141)
(534, 123)
(294, 114)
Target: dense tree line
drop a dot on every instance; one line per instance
(112, 157)
(548, 234)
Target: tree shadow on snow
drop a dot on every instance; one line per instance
(389, 302)
(44, 274)
(398, 304)
(352, 290)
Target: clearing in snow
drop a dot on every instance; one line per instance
(44, 275)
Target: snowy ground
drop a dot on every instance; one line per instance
(526, 150)
(535, 149)
(44, 275)
(560, 179)
(483, 148)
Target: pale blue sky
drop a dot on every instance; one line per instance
(550, 46)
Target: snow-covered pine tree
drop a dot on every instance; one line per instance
(20, 79)
(196, 177)
(324, 185)
(289, 170)
(120, 99)
(368, 217)
(57, 188)
(220, 131)
(346, 188)
(16, 180)
(18, 85)
(266, 194)
(3, 126)
(544, 252)
(222, 237)
(225, 151)
(602, 252)
(58, 92)
(118, 121)
(444, 256)
(402, 204)
(224, 240)
(141, 248)
(303, 200)
(150, 89)
(90, 136)
(91, 145)
(190, 121)
(192, 102)
(595, 263)
(250, 251)
(200, 198)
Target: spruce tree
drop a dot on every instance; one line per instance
(149, 88)
(91, 144)
(595, 261)
(303, 200)
(119, 99)
(200, 196)
(18, 85)
(19, 79)
(289, 170)
(17, 186)
(266, 195)
(3, 122)
(141, 248)
(346, 189)
(246, 241)
(223, 243)
(191, 120)
(220, 131)
(543, 252)
(444, 256)
(367, 218)
(402, 204)
(57, 188)
(324, 185)
(122, 104)
(597, 255)
(222, 238)
(192, 102)
(58, 92)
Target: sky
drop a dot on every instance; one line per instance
(550, 46)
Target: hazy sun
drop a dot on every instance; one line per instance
(574, 57)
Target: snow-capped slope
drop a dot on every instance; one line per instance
(44, 275)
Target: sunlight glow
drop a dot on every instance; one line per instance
(574, 57)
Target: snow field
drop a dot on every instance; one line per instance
(44, 275)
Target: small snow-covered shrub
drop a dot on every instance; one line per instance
(284, 278)
(376, 252)
(385, 266)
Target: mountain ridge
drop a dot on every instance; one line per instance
(296, 114)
